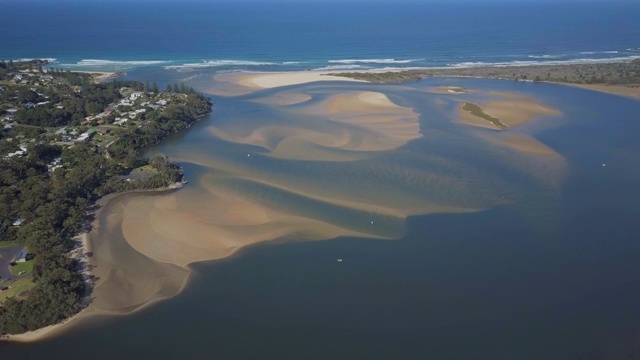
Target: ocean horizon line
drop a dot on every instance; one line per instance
(225, 65)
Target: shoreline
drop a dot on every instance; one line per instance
(81, 253)
(85, 246)
(618, 90)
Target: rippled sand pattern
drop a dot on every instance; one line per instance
(314, 165)
(339, 128)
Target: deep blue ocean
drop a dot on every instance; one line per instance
(296, 35)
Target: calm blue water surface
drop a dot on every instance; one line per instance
(488, 285)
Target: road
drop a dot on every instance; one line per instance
(8, 253)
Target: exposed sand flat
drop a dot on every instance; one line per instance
(450, 90)
(366, 122)
(268, 81)
(515, 113)
(128, 280)
(387, 125)
(214, 225)
(512, 110)
(243, 83)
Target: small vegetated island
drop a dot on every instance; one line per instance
(65, 141)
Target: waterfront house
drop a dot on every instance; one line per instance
(22, 256)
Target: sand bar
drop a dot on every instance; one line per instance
(511, 110)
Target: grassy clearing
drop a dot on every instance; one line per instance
(15, 288)
(476, 110)
(19, 267)
(147, 169)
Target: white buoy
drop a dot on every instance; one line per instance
(339, 260)
(604, 164)
(248, 154)
(371, 222)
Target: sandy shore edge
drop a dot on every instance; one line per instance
(619, 90)
(81, 253)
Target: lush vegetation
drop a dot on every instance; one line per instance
(477, 111)
(626, 74)
(178, 115)
(53, 206)
(54, 202)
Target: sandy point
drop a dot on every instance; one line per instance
(257, 81)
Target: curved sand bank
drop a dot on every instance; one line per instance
(125, 281)
(233, 84)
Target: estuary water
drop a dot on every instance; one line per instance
(455, 241)
(534, 257)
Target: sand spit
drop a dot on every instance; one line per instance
(268, 81)
(620, 90)
(163, 230)
(233, 84)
